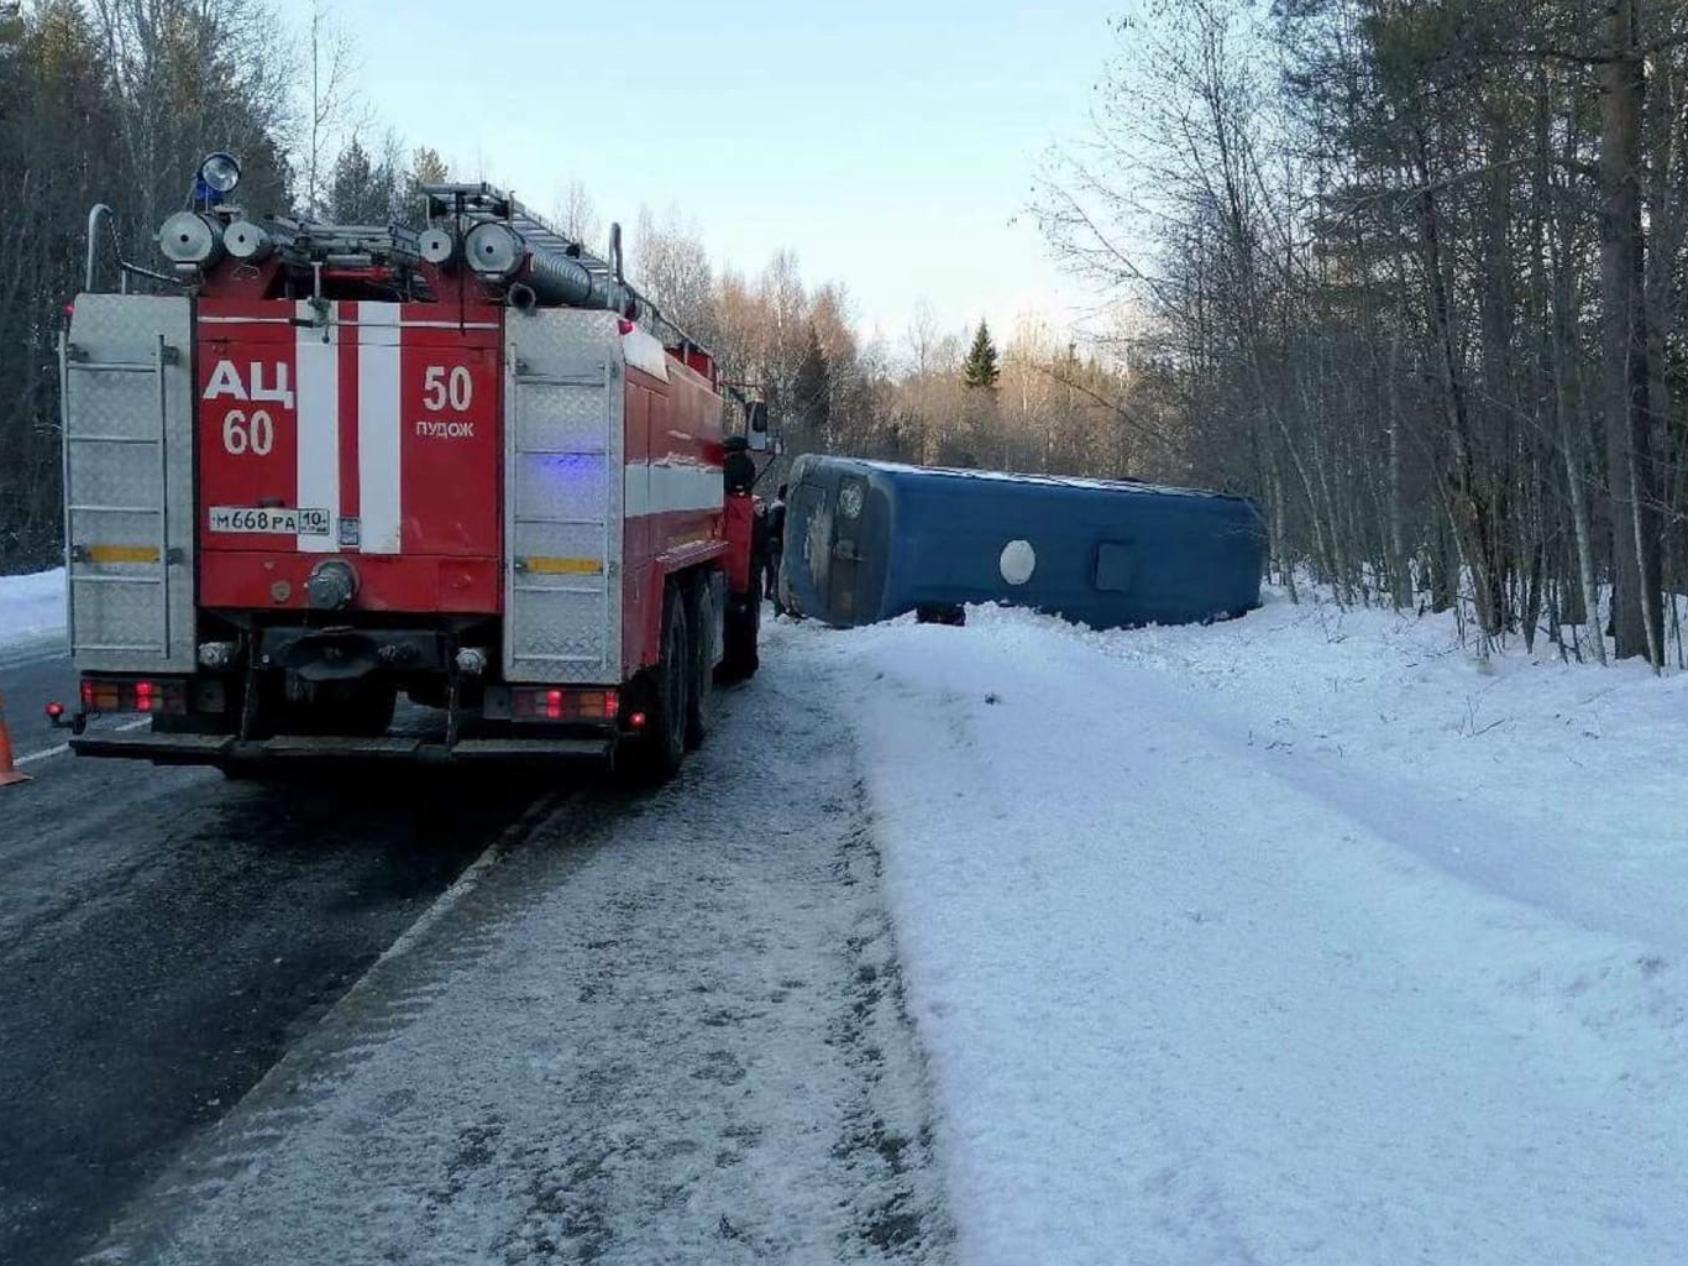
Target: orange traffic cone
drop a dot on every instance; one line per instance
(8, 771)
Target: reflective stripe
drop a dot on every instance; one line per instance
(317, 364)
(663, 488)
(379, 445)
(122, 553)
(563, 566)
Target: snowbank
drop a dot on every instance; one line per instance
(31, 606)
(1299, 938)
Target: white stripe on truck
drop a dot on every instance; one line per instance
(317, 364)
(379, 439)
(665, 488)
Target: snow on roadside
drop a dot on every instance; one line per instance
(31, 606)
(1298, 938)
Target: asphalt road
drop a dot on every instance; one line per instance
(166, 935)
(667, 1027)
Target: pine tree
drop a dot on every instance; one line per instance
(980, 368)
(349, 186)
(813, 388)
(426, 168)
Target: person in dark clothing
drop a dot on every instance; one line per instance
(776, 547)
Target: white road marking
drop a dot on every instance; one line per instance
(548, 806)
(43, 755)
(65, 747)
(30, 651)
(46, 657)
(545, 809)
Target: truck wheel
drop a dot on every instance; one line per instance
(664, 744)
(703, 630)
(743, 626)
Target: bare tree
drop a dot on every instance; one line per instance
(1404, 267)
(335, 109)
(576, 214)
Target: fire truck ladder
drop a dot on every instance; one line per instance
(559, 623)
(471, 204)
(83, 557)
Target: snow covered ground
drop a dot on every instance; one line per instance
(32, 606)
(1301, 938)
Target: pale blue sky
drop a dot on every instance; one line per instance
(888, 144)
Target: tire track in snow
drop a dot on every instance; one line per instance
(394, 991)
(670, 1028)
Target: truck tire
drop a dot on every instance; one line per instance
(659, 753)
(704, 628)
(743, 627)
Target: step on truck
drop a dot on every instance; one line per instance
(324, 469)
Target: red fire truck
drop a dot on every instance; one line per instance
(337, 465)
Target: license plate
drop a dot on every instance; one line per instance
(279, 520)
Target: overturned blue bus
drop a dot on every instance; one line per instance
(867, 541)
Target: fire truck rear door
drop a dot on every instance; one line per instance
(127, 382)
(564, 399)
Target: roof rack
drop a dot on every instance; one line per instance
(475, 202)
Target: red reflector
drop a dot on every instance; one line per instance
(561, 703)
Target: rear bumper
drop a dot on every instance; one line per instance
(297, 750)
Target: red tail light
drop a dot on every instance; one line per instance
(561, 703)
(117, 694)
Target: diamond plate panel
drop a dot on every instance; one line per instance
(560, 540)
(120, 611)
(110, 475)
(115, 391)
(562, 632)
(104, 527)
(561, 486)
(564, 405)
(105, 402)
(564, 416)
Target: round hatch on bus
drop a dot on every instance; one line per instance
(1018, 561)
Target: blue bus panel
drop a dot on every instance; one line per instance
(867, 541)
